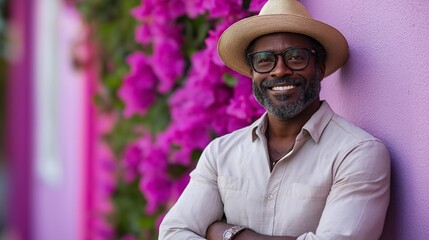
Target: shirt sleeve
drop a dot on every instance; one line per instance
(357, 204)
(199, 205)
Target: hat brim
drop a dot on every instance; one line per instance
(234, 40)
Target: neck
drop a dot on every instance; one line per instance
(290, 128)
(281, 134)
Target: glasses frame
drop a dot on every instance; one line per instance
(283, 54)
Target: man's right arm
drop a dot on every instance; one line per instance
(199, 205)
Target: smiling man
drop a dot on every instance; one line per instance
(290, 95)
(300, 171)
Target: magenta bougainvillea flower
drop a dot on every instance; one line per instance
(143, 34)
(197, 7)
(132, 158)
(256, 5)
(157, 189)
(205, 98)
(168, 62)
(138, 87)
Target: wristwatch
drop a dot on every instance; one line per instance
(230, 233)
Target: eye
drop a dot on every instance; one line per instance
(263, 60)
(263, 57)
(296, 56)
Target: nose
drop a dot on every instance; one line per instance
(280, 69)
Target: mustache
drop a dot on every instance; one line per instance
(284, 80)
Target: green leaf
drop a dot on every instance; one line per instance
(158, 116)
(195, 32)
(230, 80)
(246, 4)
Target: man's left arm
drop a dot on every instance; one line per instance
(357, 204)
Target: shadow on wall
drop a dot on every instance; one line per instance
(3, 54)
(393, 223)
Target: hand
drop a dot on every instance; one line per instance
(216, 230)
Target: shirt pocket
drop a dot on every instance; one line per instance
(305, 208)
(234, 191)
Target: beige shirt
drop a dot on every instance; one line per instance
(334, 184)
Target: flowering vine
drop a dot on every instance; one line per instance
(176, 96)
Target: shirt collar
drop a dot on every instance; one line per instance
(259, 127)
(319, 121)
(314, 126)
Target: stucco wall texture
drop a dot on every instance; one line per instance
(384, 88)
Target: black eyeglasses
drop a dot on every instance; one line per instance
(294, 58)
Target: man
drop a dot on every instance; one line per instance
(300, 171)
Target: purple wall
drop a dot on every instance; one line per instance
(384, 88)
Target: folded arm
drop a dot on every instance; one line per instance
(216, 230)
(356, 205)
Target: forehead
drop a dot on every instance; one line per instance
(280, 41)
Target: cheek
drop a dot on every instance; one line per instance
(256, 82)
(258, 78)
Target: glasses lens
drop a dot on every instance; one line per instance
(263, 61)
(296, 58)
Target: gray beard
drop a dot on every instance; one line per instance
(287, 111)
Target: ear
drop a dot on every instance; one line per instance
(251, 72)
(321, 69)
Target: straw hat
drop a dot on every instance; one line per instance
(280, 16)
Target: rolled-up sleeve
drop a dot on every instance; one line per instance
(199, 205)
(357, 204)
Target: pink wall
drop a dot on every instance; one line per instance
(57, 212)
(42, 205)
(19, 116)
(37, 208)
(384, 88)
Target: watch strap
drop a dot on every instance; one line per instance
(233, 231)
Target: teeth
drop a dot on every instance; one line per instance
(283, 88)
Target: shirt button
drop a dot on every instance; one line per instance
(270, 197)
